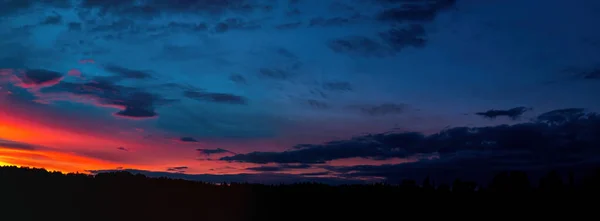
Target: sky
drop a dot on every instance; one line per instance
(333, 91)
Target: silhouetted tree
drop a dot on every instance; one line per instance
(36, 194)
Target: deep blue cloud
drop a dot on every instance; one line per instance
(208, 152)
(265, 178)
(38, 77)
(128, 73)
(545, 140)
(135, 103)
(281, 167)
(180, 169)
(216, 97)
(188, 140)
(513, 113)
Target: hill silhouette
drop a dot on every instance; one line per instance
(37, 194)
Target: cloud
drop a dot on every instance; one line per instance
(154, 8)
(74, 26)
(281, 167)
(317, 104)
(216, 97)
(180, 169)
(329, 22)
(415, 11)
(359, 46)
(188, 140)
(540, 141)
(37, 78)
(274, 73)
(262, 178)
(513, 113)
(17, 145)
(406, 20)
(592, 75)
(128, 73)
(286, 53)
(337, 86)
(208, 152)
(381, 110)
(15, 7)
(400, 38)
(123, 149)
(134, 103)
(234, 24)
(52, 20)
(291, 25)
(316, 174)
(237, 78)
(562, 116)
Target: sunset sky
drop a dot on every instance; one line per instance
(208, 87)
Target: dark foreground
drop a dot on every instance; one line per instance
(35, 194)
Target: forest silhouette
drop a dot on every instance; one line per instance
(37, 194)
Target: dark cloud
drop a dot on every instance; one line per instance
(234, 24)
(548, 140)
(16, 145)
(381, 110)
(274, 73)
(291, 25)
(208, 152)
(180, 26)
(116, 27)
(221, 27)
(358, 45)
(286, 53)
(281, 167)
(382, 146)
(337, 86)
(177, 169)
(38, 77)
(216, 97)
(400, 38)
(128, 73)
(263, 178)
(593, 74)
(583, 73)
(317, 104)
(315, 174)
(188, 140)
(330, 22)
(123, 149)
(10, 7)
(237, 78)
(513, 113)
(52, 20)
(133, 102)
(415, 11)
(561, 116)
(476, 166)
(74, 26)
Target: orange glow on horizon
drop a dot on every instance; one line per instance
(23, 130)
(52, 160)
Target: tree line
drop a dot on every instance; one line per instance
(37, 194)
